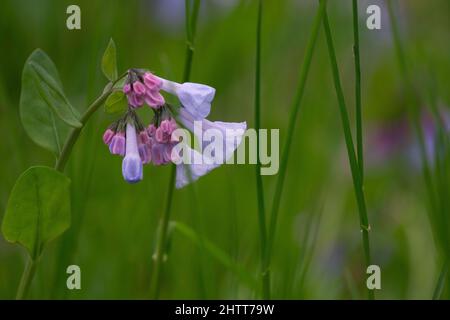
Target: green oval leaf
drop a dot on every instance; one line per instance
(116, 103)
(43, 105)
(38, 209)
(109, 64)
(53, 95)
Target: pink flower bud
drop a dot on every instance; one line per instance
(143, 137)
(157, 154)
(117, 145)
(164, 125)
(139, 88)
(135, 100)
(160, 135)
(144, 153)
(172, 125)
(154, 99)
(127, 88)
(107, 136)
(151, 130)
(151, 82)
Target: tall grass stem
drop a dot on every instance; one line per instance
(265, 275)
(354, 167)
(191, 22)
(359, 129)
(294, 110)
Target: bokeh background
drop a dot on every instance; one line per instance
(318, 251)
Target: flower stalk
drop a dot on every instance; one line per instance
(27, 278)
(191, 22)
(354, 166)
(74, 134)
(265, 274)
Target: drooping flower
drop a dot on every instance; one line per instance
(227, 139)
(196, 98)
(196, 102)
(156, 143)
(187, 173)
(132, 163)
(231, 132)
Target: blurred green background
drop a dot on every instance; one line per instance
(318, 251)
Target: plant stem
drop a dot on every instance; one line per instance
(30, 268)
(259, 183)
(191, 22)
(27, 278)
(290, 130)
(441, 282)
(357, 183)
(73, 136)
(359, 135)
(161, 244)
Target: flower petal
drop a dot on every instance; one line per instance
(232, 133)
(132, 168)
(196, 98)
(187, 173)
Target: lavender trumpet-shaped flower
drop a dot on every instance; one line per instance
(196, 98)
(187, 173)
(132, 163)
(227, 138)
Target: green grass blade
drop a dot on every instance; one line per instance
(359, 130)
(291, 127)
(357, 183)
(265, 275)
(221, 256)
